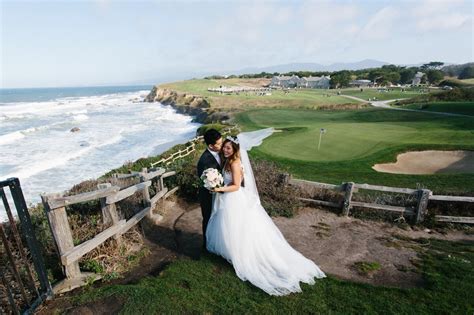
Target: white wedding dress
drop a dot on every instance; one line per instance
(241, 231)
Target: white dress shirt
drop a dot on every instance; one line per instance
(216, 156)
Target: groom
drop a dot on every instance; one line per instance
(210, 158)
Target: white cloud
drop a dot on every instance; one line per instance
(326, 14)
(437, 15)
(444, 22)
(381, 24)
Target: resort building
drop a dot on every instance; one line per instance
(295, 81)
(361, 83)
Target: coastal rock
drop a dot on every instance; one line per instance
(193, 105)
(75, 129)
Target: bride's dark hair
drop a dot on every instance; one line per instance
(235, 155)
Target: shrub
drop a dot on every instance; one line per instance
(277, 197)
(186, 175)
(454, 95)
(201, 130)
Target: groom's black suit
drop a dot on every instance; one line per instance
(206, 161)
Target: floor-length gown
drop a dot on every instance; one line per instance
(241, 231)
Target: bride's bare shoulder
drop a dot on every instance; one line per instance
(236, 164)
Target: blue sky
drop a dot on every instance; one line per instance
(77, 43)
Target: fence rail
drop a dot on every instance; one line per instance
(417, 213)
(108, 195)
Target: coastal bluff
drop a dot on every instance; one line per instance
(188, 104)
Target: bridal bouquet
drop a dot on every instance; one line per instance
(212, 178)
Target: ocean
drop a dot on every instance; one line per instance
(114, 126)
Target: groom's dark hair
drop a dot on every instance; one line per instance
(211, 136)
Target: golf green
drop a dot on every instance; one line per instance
(356, 140)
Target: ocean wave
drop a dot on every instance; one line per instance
(57, 160)
(80, 117)
(66, 105)
(11, 137)
(20, 134)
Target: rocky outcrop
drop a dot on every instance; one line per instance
(189, 104)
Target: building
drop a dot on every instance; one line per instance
(417, 79)
(285, 81)
(361, 83)
(295, 81)
(316, 82)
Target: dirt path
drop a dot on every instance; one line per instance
(335, 243)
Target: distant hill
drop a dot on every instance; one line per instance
(364, 64)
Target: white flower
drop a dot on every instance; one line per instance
(212, 178)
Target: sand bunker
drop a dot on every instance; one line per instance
(430, 162)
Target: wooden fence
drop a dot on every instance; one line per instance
(179, 154)
(188, 150)
(109, 195)
(417, 213)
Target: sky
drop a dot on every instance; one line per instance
(84, 43)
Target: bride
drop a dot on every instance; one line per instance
(241, 231)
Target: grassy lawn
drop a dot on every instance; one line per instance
(300, 98)
(209, 285)
(394, 93)
(356, 140)
(468, 81)
(464, 108)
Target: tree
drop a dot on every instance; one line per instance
(340, 79)
(432, 65)
(376, 75)
(393, 77)
(434, 76)
(467, 73)
(407, 75)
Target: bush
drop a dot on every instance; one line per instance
(454, 95)
(202, 130)
(277, 197)
(186, 176)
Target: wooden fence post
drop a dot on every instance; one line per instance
(422, 205)
(109, 212)
(146, 192)
(154, 218)
(62, 234)
(349, 188)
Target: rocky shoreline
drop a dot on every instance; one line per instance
(188, 104)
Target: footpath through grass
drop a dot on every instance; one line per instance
(356, 140)
(209, 285)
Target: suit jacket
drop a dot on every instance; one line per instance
(206, 161)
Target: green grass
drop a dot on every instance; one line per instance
(209, 285)
(468, 81)
(356, 140)
(464, 108)
(394, 93)
(366, 267)
(307, 98)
